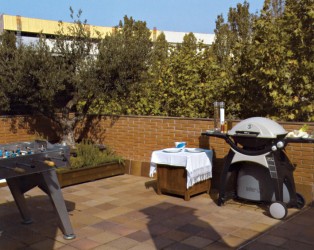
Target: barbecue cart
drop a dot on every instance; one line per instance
(258, 164)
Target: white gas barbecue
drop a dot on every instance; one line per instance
(259, 166)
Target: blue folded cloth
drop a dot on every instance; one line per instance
(180, 145)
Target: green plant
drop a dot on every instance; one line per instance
(89, 155)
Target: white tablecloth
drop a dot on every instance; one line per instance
(198, 165)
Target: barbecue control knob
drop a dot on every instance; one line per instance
(280, 144)
(274, 148)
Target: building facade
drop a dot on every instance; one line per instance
(27, 30)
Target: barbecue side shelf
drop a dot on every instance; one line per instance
(286, 139)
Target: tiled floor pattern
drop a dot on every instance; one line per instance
(124, 212)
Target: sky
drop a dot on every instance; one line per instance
(197, 16)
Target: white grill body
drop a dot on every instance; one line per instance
(262, 127)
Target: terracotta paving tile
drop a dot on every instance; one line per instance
(214, 218)
(60, 239)
(104, 237)
(156, 229)
(210, 233)
(294, 244)
(160, 242)
(258, 227)
(104, 225)
(47, 229)
(219, 246)
(8, 243)
(46, 244)
(87, 231)
(122, 243)
(84, 244)
(200, 223)
(238, 222)
(180, 246)
(306, 235)
(113, 212)
(197, 242)
(66, 247)
(138, 224)
(284, 233)
(105, 216)
(272, 240)
(86, 219)
(232, 241)
(143, 246)
(105, 247)
(78, 207)
(92, 203)
(75, 198)
(245, 233)
(106, 206)
(122, 230)
(144, 221)
(81, 193)
(24, 235)
(176, 235)
(260, 246)
(140, 236)
(267, 220)
(135, 215)
(224, 229)
(120, 219)
(190, 229)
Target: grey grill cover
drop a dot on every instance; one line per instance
(263, 127)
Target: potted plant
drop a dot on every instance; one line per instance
(89, 162)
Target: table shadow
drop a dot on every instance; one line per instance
(16, 235)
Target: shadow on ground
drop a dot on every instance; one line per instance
(16, 235)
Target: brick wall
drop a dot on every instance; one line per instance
(135, 137)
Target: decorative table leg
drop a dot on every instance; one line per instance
(158, 188)
(18, 195)
(187, 195)
(55, 194)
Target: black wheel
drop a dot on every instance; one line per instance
(278, 210)
(300, 201)
(220, 201)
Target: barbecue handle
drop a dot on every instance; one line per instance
(267, 149)
(236, 148)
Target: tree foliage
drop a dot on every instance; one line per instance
(260, 64)
(268, 60)
(122, 64)
(77, 75)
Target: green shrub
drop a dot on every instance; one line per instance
(89, 155)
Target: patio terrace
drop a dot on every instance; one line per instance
(124, 212)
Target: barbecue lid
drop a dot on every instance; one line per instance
(258, 126)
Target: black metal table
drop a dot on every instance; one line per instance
(31, 164)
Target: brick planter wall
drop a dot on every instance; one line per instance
(135, 137)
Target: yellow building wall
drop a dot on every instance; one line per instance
(36, 26)
(48, 27)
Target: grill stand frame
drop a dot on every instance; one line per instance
(274, 158)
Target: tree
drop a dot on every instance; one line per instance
(298, 26)
(149, 100)
(10, 69)
(234, 56)
(57, 82)
(181, 84)
(122, 65)
(283, 62)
